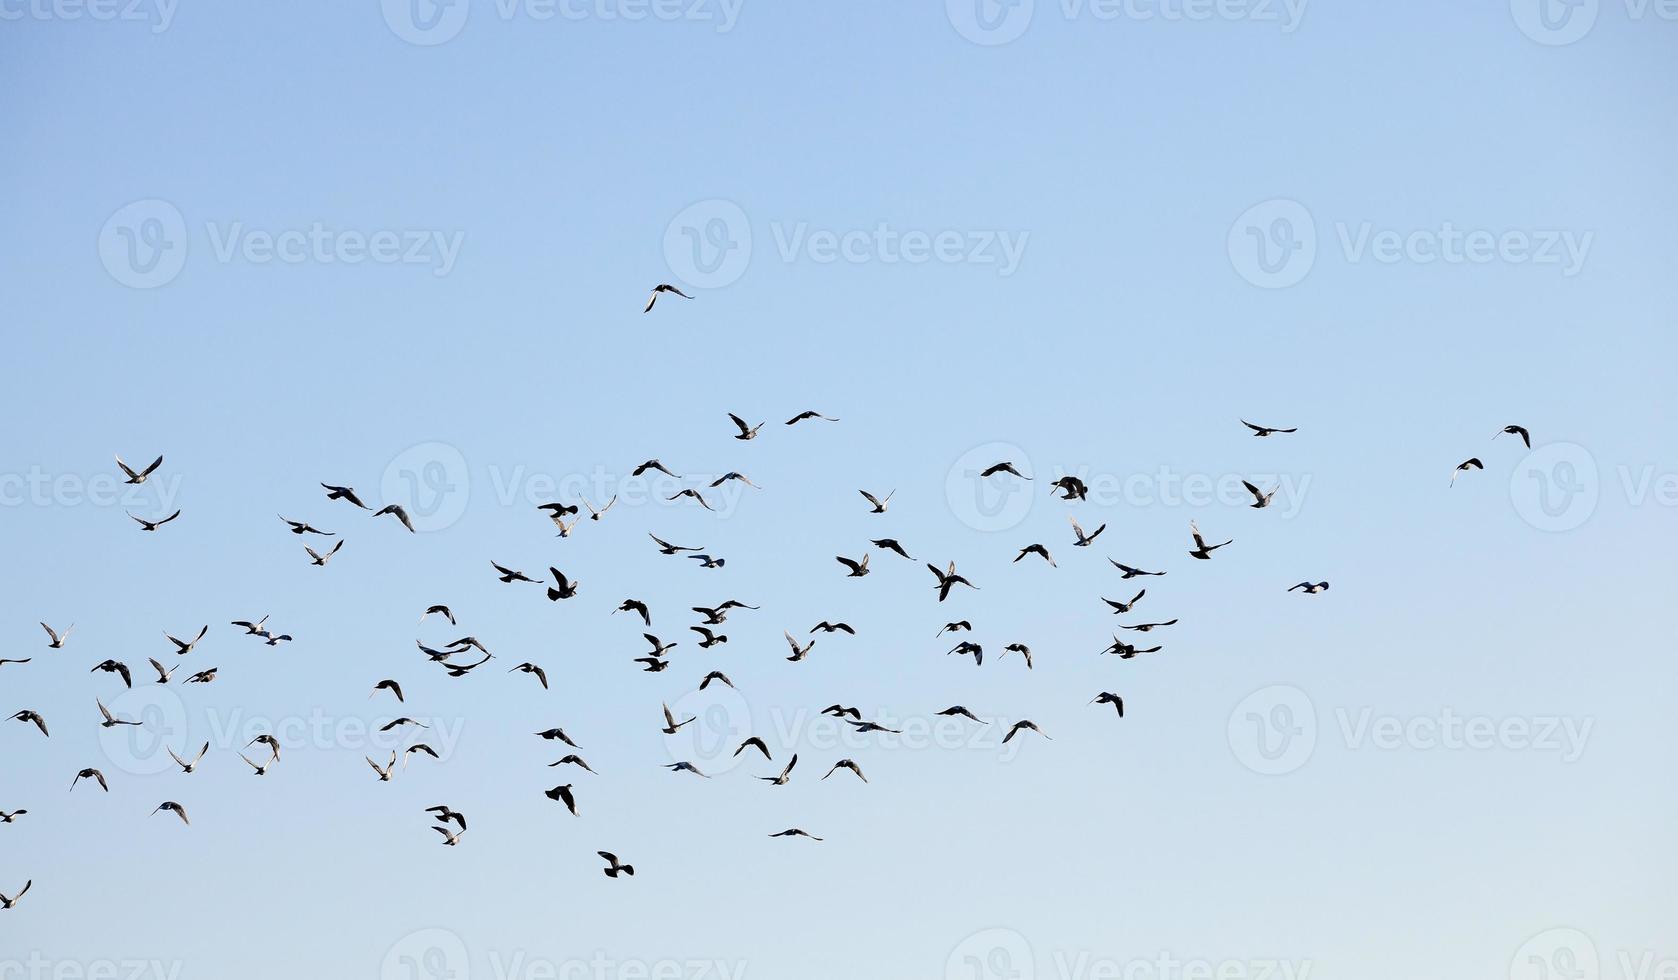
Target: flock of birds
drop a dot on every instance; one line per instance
(467, 654)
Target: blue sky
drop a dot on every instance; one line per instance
(285, 243)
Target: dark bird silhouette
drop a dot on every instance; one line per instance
(510, 575)
(27, 716)
(890, 544)
(92, 774)
(343, 493)
(321, 558)
(613, 866)
(948, 580)
(146, 525)
(1035, 549)
(1006, 467)
(1261, 499)
(960, 711)
(1516, 430)
(785, 775)
(303, 527)
(746, 431)
(715, 675)
(858, 568)
(666, 548)
(55, 639)
(1128, 571)
(1071, 488)
(1021, 649)
(111, 721)
(529, 668)
(116, 667)
(826, 627)
(1108, 697)
(184, 647)
(653, 464)
(1472, 463)
(1084, 540)
(1124, 607)
(572, 760)
(662, 289)
(798, 652)
(847, 764)
(690, 492)
(638, 607)
(396, 511)
(444, 611)
(1020, 726)
(566, 589)
(563, 794)
(1202, 550)
(801, 416)
(1310, 588)
(796, 832)
(879, 504)
(134, 478)
(1261, 431)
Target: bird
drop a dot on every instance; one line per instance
(303, 527)
(250, 628)
(343, 493)
(269, 742)
(955, 711)
(571, 760)
(444, 813)
(708, 639)
(671, 725)
(508, 575)
(955, 627)
(1084, 540)
(786, 773)
(747, 432)
(385, 771)
(663, 287)
(1310, 588)
(653, 664)
(175, 808)
(966, 647)
(1147, 627)
(1021, 649)
(1127, 651)
(948, 579)
(116, 667)
(1128, 571)
(187, 767)
(613, 866)
(796, 832)
(450, 838)
(690, 492)
(112, 721)
(146, 525)
(530, 668)
(864, 727)
(638, 607)
(1515, 430)
(261, 770)
(1004, 467)
(732, 475)
(858, 568)
(27, 716)
(1124, 607)
(840, 711)
(8, 902)
(801, 416)
(92, 774)
(890, 544)
(847, 764)
(11, 817)
(566, 589)
(653, 464)
(396, 511)
(666, 548)
(23, 660)
(827, 627)
(317, 558)
(184, 647)
(755, 743)
(715, 675)
(685, 767)
(556, 511)
(707, 561)
(798, 652)
(595, 515)
(418, 747)
(1108, 697)
(1261, 499)
(1472, 463)
(1035, 549)
(1020, 726)
(436, 656)
(563, 794)
(558, 734)
(388, 685)
(879, 504)
(55, 639)
(1071, 488)
(399, 722)
(659, 646)
(1202, 550)
(444, 611)
(469, 642)
(1260, 431)
(134, 478)
(275, 639)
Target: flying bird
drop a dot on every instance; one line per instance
(1202, 550)
(732, 475)
(890, 544)
(653, 464)
(303, 527)
(947, 580)
(798, 652)
(553, 734)
(858, 568)
(385, 771)
(563, 794)
(666, 548)
(27, 716)
(1260, 431)
(595, 515)
(1108, 697)
(707, 561)
(613, 866)
(660, 289)
(708, 639)
(786, 773)
(955, 627)
(1035, 549)
(1310, 588)
(116, 667)
(187, 767)
(444, 611)
(1020, 726)
(260, 770)
(756, 743)
(959, 711)
(138, 478)
(671, 725)
(1516, 430)
(638, 607)
(8, 902)
(715, 675)
(801, 416)
(1006, 467)
(202, 677)
(572, 760)
(879, 505)
(184, 647)
(318, 558)
(250, 628)
(847, 764)
(396, 511)
(1128, 571)
(1261, 499)
(55, 639)
(796, 832)
(1021, 649)
(508, 575)
(388, 685)
(92, 774)
(1147, 627)
(1124, 607)
(746, 431)
(566, 589)
(444, 813)
(690, 492)
(530, 668)
(1084, 540)
(827, 627)
(146, 525)
(1472, 463)
(685, 767)
(343, 493)
(112, 721)
(1071, 488)
(450, 838)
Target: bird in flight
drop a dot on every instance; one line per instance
(92, 774)
(653, 464)
(566, 588)
(827, 627)
(1310, 588)
(858, 568)
(879, 505)
(796, 832)
(955, 627)
(388, 685)
(146, 525)
(572, 760)
(563, 794)
(798, 652)
(343, 493)
(613, 867)
(1202, 550)
(1128, 571)
(1472, 463)
(303, 527)
(444, 813)
(1147, 627)
(1035, 549)
(1516, 430)
(1260, 431)
(28, 716)
(444, 611)
(685, 767)
(801, 416)
(732, 475)
(1261, 499)
(1020, 726)
(396, 511)
(450, 838)
(202, 677)
(954, 711)
(7, 902)
(890, 544)
(947, 580)
(112, 721)
(595, 515)
(1021, 649)
(529, 668)
(1124, 607)
(671, 725)
(187, 767)
(746, 431)
(660, 289)
(785, 775)
(385, 771)
(55, 639)
(638, 607)
(709, 561)
(847, 764)
(134, 478)
(1108, 697)
(715, 675)
(690, 492)
(116, 667)
(250, 628)
(1071, 488)
(755, 743)
(707, 638)
(184, 647)
(260, 770)
(1004, 467)
(1084, 540)
(509, 575)
(666, 548)
(319, 558)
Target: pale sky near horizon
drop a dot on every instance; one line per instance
(406, 248)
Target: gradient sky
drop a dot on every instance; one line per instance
(1136, 160)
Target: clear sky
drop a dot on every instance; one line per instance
(406, 248)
